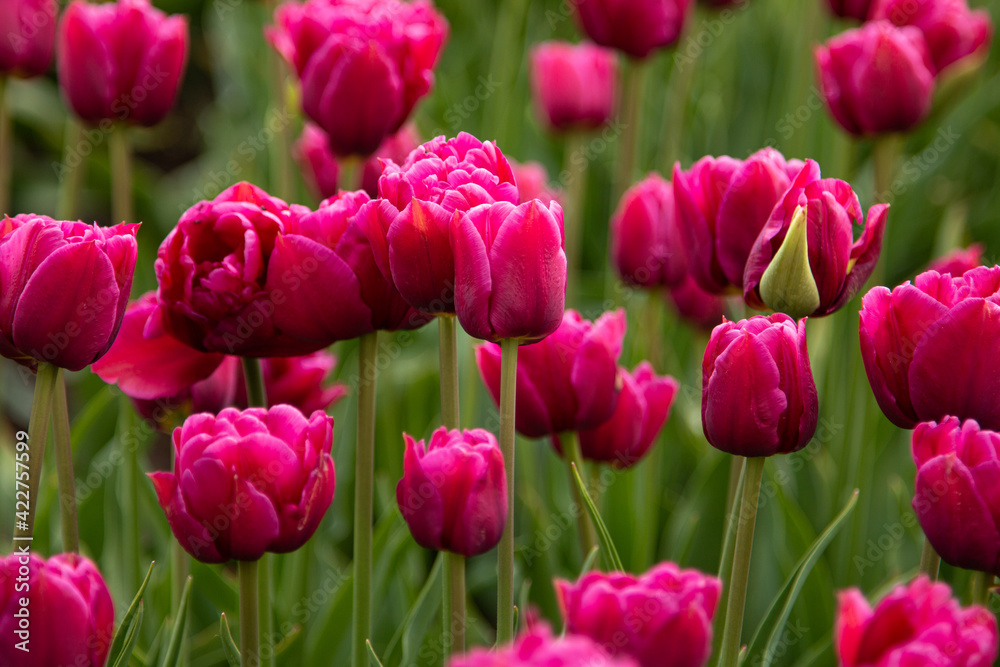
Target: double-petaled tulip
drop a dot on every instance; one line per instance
(851, 9)
(567, 382)
(635, 27)
(69, 616)
(952, 31)
(918, 624)
(573, 84)
(758, 397)
(930, 347)
(700, 308)
(646, 242)
(722, 204)
(662, 618)
(248, 482)
(29, 32)
(121, 61)
(363, 65)
(957, 262)
(453, 494)
(805, 261)
(538, 648)
(533, 182)
(64, 287)
(877, 78)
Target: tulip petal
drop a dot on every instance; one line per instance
(473, 281)
(255, 524)
(160, 75)
(852, 617)
(86, 66)
(194, 537)
(420, 256)
(864, 255)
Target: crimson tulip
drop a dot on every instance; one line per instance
(573, 85)
(533, 182)
(536, 647)
(851, 9)
(29, 32)
(958, 261)
(646, 241)
(953, 32)
(702, 309)
(634, 27)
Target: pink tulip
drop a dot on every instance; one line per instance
(851, 9)
(69, 610)
(646, 242)
(662, 618)
(635, 27)
(574, 85)
(958, 261)
(698, 307)
(538, 648)
(533, 182)
(952, 31)
(248, 482)
(877, 78)
(121, 61)
(28, 28)
(63, 289)
(929, 347)
(918, 624)
(453, 494)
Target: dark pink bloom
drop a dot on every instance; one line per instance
(930, 347)
(298, 381)
(958, 261)
(533, 182)
(662, 618)
(71, 614)
(28, 28)
(248, 482)
(918, 624)
(877, 78)
(758, 397)
(635, 27)
(700, 308)
(851, 9)
(453, 494)
(646, 241)
(952, 31)
(64, 287)
(574, 85)
(121, 61)
(538, 648)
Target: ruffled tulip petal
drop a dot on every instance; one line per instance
(420, 256)
(473, 280)
(194, 537)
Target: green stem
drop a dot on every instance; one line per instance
(982, 582)
(448, 350)
(130, 496)
(886, 155)
(38, 430)
(70, 178)
(572, 455)
(505, 554)
(575, 167)
(6, 149)
(454, 605)
(678, 91)
(349, 179)
(120, 157)
(249, 615)
(631, 101)
(180, 567)
(64, 466)
(737, 465)
(741, 562)
(254, 377)
(282, 177)
(508, 39)
(363, 489)
(653, 327)
(930, 561)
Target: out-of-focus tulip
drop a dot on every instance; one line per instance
(805, 261)
(877, 78)
(363, 64)
(567, 382)
(662, 618)
(395, 148)
(64, 287)
(573, 85)
(758, 397)
(248, 482)
(510, 270)
(69, 608)
(920, 623)
(453, 494)
(635, 27)
(716, 4)
(297, 381)
(930, 347)
(533, 182)
(722, 204)
(851, 9)
(538, 648)
(957, 262)
(702, 309)
(640, 412)
(29, 33)
(646, 241)
(952, 31)
(121, 61)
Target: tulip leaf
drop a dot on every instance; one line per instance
(121, 648)
(588, 562)
(608, 552)
(229, 646)
(781, 608)
(130, 638)
(425, 604)
(177, 634)
(372, 656)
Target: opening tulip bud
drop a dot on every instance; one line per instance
(787, 285)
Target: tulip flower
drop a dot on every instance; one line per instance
(805, 261)
(567, 382)
(363, 66)
(958, 261)
(952, 31)
(121, 61)
(758, 397)
(722, 204)
(662, 618)
(919, 623)
(245, 483)
(646, 241)
(877, 78)
(698, 307)
(63, 289)
(538, 648)
(634, 27)
(29, 32)
(929, 347)
(851, 9)
(533, 182)
(573, 84)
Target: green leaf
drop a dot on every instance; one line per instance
(372, 656)
(121, 649)
(177, 635)
(426, 605)
(588, 562)
(608, 552)
(229, 646)
(130, 638)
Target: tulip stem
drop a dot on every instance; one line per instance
(885, 154)
(575, 168)
(573, 455)
(448, 350)
(505, 554)
(731, 635)
(256, 392)
(982, 582)
(120, 157)
(364, 483)
(38, 430)
(350, 178)
(70, 176)
(6, 149)
(930, 561)
(281, 162)
(180, 567)
(631, 101)
(737, 466)
(249, 615)
(64, 466)
(129, 439)
(454, 605)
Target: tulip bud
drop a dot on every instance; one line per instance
(958, 261)
(453, 494)
(851, 9)
(28, 29)
(698, 307)
(787, 285)
(533, 182)
(636, 29)
(952, 31)
(573, 84)
(646, 241)
(536, 647)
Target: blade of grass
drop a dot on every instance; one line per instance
(608, 552)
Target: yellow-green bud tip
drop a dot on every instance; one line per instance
(787, 285)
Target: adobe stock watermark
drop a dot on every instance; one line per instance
(912, 170)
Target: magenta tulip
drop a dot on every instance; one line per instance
(64, 287)
(952, 31)
(28, 28)
(533, 182)
(248, 482)
(758, 397)
(574, 85)
(930, 347)
(958, 261)
(297, 381)
(916, 624)
(698, 307)
(536, 647)
(635, 27)
(453, 494)
(662, 618)
(567, 382)
(877, 78)
(121, 61)
(851, 9)
(646, 242)
(722, 204)
(54, 612)
(805, 261)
